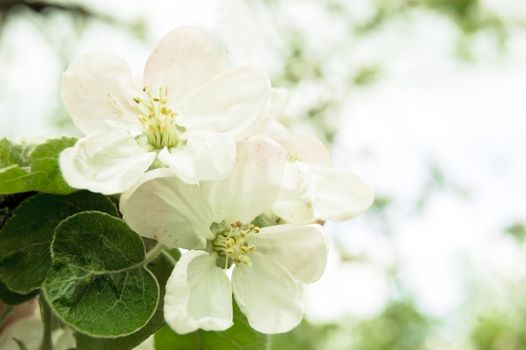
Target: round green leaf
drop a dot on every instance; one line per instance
(98, 283)
(162, 268)
(11, 298)
(26, 237)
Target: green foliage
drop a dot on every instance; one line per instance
(8, 204)
(306, 337)
(399, 327)
(238, 337)
(26, 167)
(25, 239)
(11, 298)
(517, 231)
(499, 332)
(366, 75)
(98, 283)
(161, 268)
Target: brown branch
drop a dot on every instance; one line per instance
(42, 7)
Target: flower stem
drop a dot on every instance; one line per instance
(169, 257)
(154, 253)
(47, 318)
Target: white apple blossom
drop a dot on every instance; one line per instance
(186, 115)
(221, 222)
(312, 188)
(315, 190)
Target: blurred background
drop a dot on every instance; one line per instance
(425, 99)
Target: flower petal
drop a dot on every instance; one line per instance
(254, 183)
(294, 203)
(97, 90)
(338, 194)
(231, 102)
(198, 295)
(311, 193)
(301, 249)
(206, 156)
(108, 162)
(182, 61)
(268, 295)
(276, 103)
(164, 208)
(307, 148)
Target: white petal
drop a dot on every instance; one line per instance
(108, 162)
(198, 295)
(268, 295)
(338, 194)
(308, 148)
(97, 90)
(294, 203)
(269, 127)
(276, 103)
(206, 156)
(164, 208)
(182, 61)
(254, 183)
(301, 249)
(231, 102)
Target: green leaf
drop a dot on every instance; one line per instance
(27, 167)
(238, 337)
(8, 203)
(162, 268)
(13, 153)
(11, 298)
(98, 283)
(26, 237)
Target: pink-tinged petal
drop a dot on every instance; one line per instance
(268, 295)
(198, 295)
(229, 103)
(98, 91)
(184, 60)
(206, 156)
(252, 186)
(300, 249)
(165, 209)
(109, 162)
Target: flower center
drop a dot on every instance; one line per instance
(158, 120)
(293, 157)
(230, 243)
